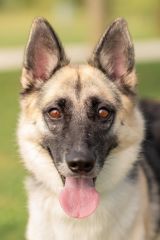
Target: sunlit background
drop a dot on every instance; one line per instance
(79, 24)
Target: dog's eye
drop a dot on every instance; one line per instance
(54, 113)
(103, 113)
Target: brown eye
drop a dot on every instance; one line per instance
(55, 113)
(103, 113)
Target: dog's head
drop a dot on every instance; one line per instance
(79, 121)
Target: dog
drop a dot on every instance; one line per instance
(82, 139)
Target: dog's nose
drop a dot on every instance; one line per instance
(80, 163)
(80, 166)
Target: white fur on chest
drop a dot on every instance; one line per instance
(111, 221)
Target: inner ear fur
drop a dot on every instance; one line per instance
(44, 53)
(114, 53)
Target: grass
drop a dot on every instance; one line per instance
(13, 212)
(12, 196)
(149, 76)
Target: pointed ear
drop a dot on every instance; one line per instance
(44, 53)
(114, 54)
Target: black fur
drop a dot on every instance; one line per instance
(88, 132)
(151, 147)
(151, 111)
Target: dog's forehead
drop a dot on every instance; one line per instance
(78, 82)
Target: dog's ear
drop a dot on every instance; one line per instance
(114, 54)
(44, 53)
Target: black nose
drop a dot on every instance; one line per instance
(80, 163)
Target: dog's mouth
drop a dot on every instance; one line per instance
(64, 178)
(79, 198)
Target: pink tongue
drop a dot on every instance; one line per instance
(79, 198)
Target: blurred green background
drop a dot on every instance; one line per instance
(80, 18)
(77, 22)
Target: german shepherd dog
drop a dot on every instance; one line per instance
(81, 137)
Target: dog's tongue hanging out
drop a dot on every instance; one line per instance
(79, 198)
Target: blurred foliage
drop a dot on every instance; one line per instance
(4, 4)
(143, 16)
(76, 20)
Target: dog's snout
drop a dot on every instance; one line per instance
(80, 163)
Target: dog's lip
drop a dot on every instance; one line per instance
(77, 176)
(63, 179)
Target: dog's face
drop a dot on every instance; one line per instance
(79, 121)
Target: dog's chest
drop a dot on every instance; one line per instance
(47, 216)
(93, 228)
(53, 224)
(80, 231)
